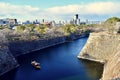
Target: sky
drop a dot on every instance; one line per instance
(93, 10)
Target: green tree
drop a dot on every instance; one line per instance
(40, 29)
(68, 29)
(110, 23)
(31, 27)
(20, 28)
(112, 20)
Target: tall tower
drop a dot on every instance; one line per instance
(75, 18)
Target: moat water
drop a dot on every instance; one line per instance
(59, 62)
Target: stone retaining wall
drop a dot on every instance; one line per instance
(7, 61)
(103, 47)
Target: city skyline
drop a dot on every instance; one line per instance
(59, 10)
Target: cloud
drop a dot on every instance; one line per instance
(60, 12)
(9, 10)
(96, 10)
(90, 8)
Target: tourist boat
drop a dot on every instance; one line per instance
(36, 64)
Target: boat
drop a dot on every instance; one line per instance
(35, 64)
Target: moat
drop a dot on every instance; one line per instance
(59, 62)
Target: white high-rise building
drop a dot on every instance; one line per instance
(76, 19)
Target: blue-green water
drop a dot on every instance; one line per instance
(59, 62)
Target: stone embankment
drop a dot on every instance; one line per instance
(112, 67)
(104, 48)
(18, 48)
(7, 61)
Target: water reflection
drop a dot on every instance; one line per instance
(10, 75)
(93, 69)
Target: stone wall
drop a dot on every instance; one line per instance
(22, 47)
(7, 61)
(103, 47)
(112, 67)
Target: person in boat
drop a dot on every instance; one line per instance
(36, 64)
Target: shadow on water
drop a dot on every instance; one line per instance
(93, 69)
(57, 63)
(8, 76)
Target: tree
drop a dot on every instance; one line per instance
(40, 29)
(110, 23)
(20, 28)
(68, 29)
(112, 20)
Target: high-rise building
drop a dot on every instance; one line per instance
(53, 23)
(76, 19)
(76, 16)
(43, 21)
